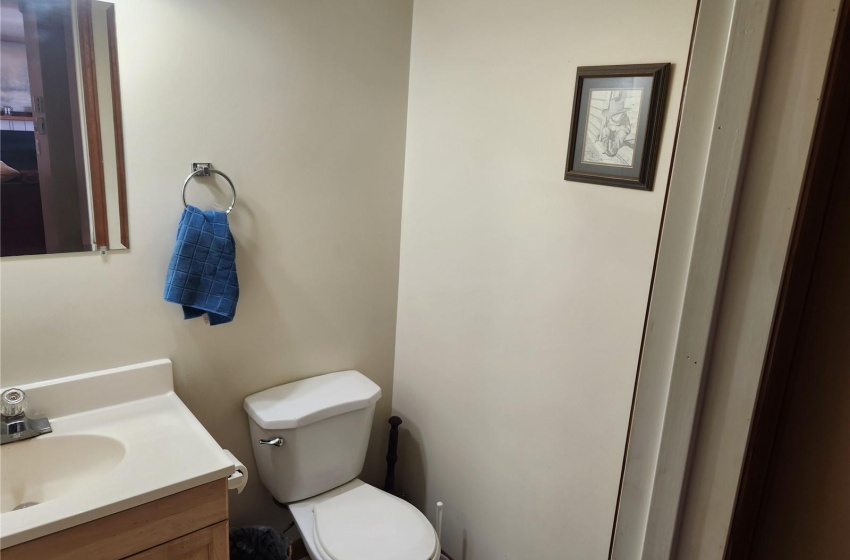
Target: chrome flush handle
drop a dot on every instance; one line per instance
(276, 441)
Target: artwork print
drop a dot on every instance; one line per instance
(616, 124)
(612, 125)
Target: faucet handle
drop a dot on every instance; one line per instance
(13, 402)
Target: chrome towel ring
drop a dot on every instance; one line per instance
(204, 170)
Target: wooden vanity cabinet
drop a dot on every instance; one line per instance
(189, 525)
(206, 544)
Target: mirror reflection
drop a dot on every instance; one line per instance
(61, 144)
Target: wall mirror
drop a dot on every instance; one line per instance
(62, 184)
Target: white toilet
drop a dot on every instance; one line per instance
(310, 439)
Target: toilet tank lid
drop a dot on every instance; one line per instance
(303, 402)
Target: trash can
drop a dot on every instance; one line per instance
(258, 543)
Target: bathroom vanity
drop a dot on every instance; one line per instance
(127, 472)
(191, 524)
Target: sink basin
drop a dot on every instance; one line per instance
(48, 467)
(121, 438)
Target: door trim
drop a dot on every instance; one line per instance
(710, 160)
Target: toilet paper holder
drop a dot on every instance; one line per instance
(239, 478)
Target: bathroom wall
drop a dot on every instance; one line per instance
(303, 104)
(522, 297)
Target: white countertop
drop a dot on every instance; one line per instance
(165, 449)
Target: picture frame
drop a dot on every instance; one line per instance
(616, 126)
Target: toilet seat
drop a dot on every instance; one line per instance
(368, 524)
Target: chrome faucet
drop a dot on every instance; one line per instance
(14, 423)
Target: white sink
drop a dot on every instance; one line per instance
(42, 469)
(120, 438)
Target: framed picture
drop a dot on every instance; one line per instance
(616, 126)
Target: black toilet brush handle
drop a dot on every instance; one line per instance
(392, 455)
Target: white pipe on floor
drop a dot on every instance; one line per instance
(439, 524)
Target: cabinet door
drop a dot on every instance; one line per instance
(207, 544)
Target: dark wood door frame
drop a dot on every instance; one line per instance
(832, 124)
(118, 125)
(95, 142)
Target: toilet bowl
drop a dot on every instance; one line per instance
(309, 439)
(357, 522)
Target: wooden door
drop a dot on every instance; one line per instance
(48, 35)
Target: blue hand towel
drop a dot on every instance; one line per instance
(202, 272)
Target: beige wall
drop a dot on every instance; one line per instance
(522, 297)
(303, 104)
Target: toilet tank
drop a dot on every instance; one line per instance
(324, 421)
